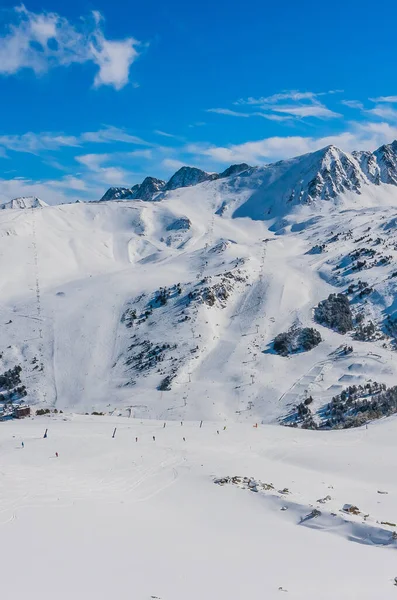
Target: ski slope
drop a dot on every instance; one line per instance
(120, 518)
(73, 273)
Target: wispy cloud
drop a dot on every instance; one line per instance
(366, 136)
(165, 134)
(228, 112)
(234, 113)
(106, 173)
(390, 99)
(112, 134)
(52, 192)
(282, 106)
(172, 164)
(307, 110)
(281, 96)
(35, 143)
(384, 112)
(353, 104)
(42, 41)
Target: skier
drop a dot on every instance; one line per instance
(184, 439)
(23, 445)
(136, 439)
(45, 433)
(56, 454)
(164, 426)
(154, 439)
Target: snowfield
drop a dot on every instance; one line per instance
(160, 312)
(120, 518)
(169, 309)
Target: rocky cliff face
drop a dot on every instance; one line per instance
(148, 188)
(120, 193)
(187, 176)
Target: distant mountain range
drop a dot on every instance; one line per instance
(150, 188)
(323, 174)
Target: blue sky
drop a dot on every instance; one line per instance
(104, 93)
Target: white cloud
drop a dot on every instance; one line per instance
(47, 191)
(35, 143)
(227, 111)
(105, 174)
(112, 134)
(306, 110)
(287, 95)
(391, 99)
(147, 154)
(283, 106)
(234, 113)
(69, 182)
(114, 60)
(165, 134)
(172, 164)
(353, 104)
(41, 41)
(93, 162)
(360, 136)
(384, 112)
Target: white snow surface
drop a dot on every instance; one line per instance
(140, 515)
(23, 202)
(120, 518)
(70, 273)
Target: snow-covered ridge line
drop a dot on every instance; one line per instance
(184, 177)
(323, 174)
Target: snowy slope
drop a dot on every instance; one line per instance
(170, 308)
(23, 202)
(120, 518)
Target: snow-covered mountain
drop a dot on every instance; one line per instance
(208, 318)
(173, 307)
(185, 177)
(321, 175)
(120, 193)
(23, 202)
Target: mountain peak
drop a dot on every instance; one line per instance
(187, 176)
(148, 188)
(24, 202)
(120, 193)
(234, 170)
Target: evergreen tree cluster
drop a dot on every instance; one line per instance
(296, 339)
(365, 332)
(353, 407)
(10, 386)
(358, 404)
(11, 378)
(335, 312)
